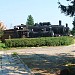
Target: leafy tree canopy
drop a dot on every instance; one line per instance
(69, 9)
(2, 28)
(30, 20)
(73, 29)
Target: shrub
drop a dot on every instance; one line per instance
(35, 42)
(14, 54)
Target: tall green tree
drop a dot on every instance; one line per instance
(69, 10)
(30, 20)
(73, 29)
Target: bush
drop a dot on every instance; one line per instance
(35, 42)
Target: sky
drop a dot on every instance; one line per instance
(15, 12)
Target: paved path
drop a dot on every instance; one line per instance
(12, 65)
(46, 50)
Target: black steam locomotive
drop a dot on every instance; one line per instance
(44, 29)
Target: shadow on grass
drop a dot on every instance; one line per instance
(41, 64)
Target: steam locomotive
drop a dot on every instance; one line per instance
(44, 29)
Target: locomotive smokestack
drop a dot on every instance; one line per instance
(60, 22)
(66, 25)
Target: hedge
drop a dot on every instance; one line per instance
(35, 42)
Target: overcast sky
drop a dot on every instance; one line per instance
(15, 12)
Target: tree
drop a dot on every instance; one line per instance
(69, 10)
(2, 28)
(30, 20)
(73, 25)
(73, 29)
